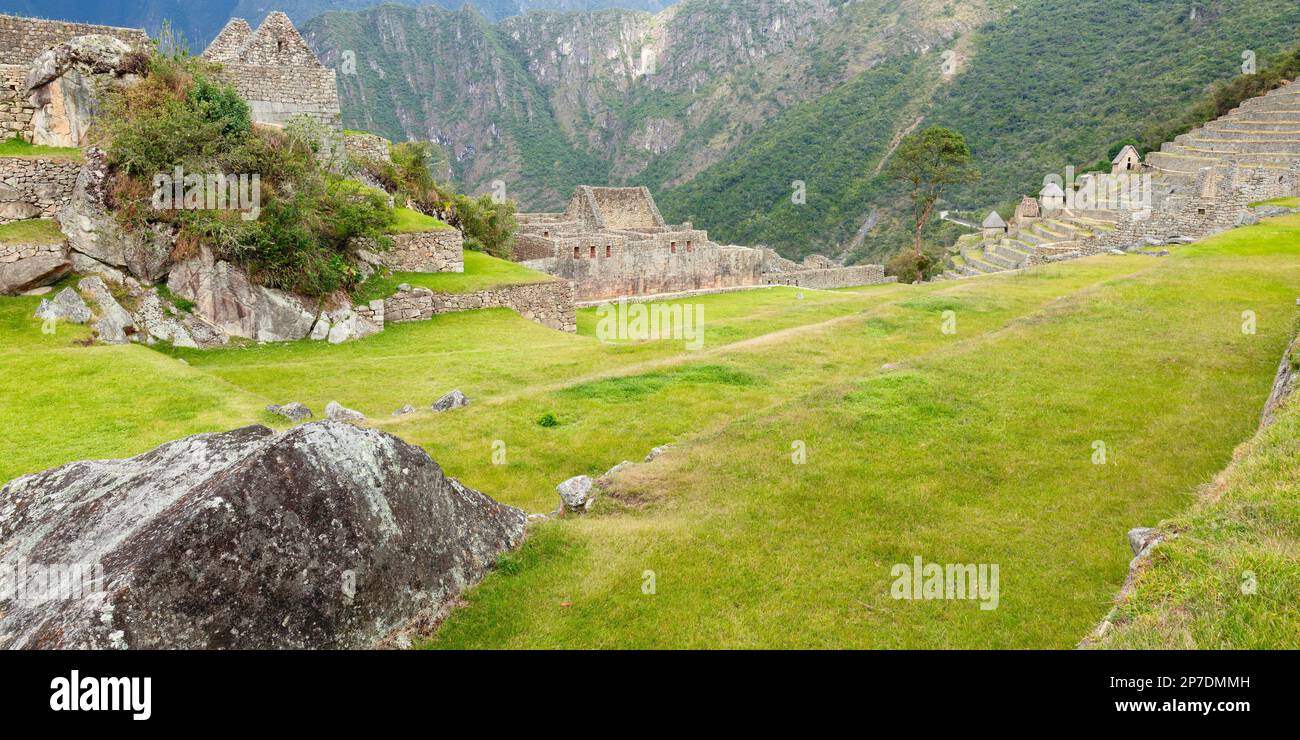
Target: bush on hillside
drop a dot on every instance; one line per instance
(487, 225)
(301, 235)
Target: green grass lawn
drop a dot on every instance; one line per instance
(973, 447)
(481, 272)
(31, 231)
(16, 147)
(1283, 202)
(410, 221)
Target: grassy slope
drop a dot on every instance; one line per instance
(481, 271)
(977, 449)
(31, 231)
(16, 147)
(410, 221)
(1242, 533)
(61, 401)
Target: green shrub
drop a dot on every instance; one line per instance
(548, 420)
(308, 221)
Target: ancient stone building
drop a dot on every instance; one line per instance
(275, 71)
(1197, 185)
(1128, 160)
(613, 242)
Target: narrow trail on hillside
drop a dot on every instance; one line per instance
(796, 333)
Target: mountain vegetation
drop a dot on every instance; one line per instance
(721, 107)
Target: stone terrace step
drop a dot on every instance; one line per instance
(984, 267)
(1252, 114)
(1225, 124)
(1175, 162)
(993, 258)
(1204, 134)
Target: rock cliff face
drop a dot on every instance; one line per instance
(325, 536)
(547, 100)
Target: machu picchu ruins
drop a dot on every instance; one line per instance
(456, 325)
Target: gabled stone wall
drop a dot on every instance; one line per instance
(276, 72)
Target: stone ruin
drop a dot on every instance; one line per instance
(1197, 185)
(276, 72)
(614, 242)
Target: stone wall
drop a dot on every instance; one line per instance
(607, 265)
(24, 39)
(276, 94)
(16, 110)
(441, 250)
(367, 147)
(550, 304)
(836, 277)
(35, 187)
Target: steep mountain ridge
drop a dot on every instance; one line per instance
(636, 98)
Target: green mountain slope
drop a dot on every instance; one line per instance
(747, 96)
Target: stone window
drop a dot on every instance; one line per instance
(609, 251)
(689, 246)
(674, 247)
(593, 251)
(576, 253)
(1201, 211)
(546, 233)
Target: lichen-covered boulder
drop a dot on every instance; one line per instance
(324, 536)
(577, 494)
(453, 400)
(66, 306)
(224, 296)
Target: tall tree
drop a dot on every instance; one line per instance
(931, 161)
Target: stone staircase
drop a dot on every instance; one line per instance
(1045, 240)
(1262, 133)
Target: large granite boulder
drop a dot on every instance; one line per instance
(24, 267)
(324, 536)
(224, 296)
(65, 84)
(94, 232)
(66, 306)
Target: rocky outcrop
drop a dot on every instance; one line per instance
(1283, 384)
(115, 325)
(92, 230)
(224, 296)
(64, 85)
(66, 306)
(27, 266)
(324, 536)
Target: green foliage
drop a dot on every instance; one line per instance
(301, 233)
(487, 224)
(929, 162)
(548, 420)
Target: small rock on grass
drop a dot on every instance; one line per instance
(407, 409)
(453, 400)
(294, 411)
(336, 411)
(577, 493)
